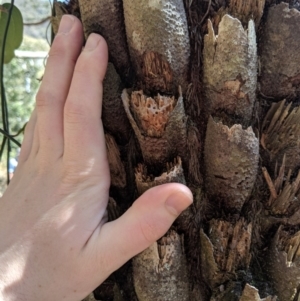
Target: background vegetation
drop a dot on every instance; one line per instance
(22, 75)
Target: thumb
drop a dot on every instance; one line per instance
(148, 219)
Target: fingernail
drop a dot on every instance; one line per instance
(177, 202)
(92, 42)
(66, 24)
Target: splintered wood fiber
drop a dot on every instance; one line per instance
(231, 244)
(225, 250)
(174, 174)
(159, 26)
(160, 272)
(246, 10)
(250, 293)
(283, 264)
(280, 134)
(117, 170)
(151, 114)
(230, 68)
(159, 143)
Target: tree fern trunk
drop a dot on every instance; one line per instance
(205, 93)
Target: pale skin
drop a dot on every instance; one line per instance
(56, 243)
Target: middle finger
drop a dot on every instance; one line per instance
(55, 86)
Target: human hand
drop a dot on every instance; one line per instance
(55, 242)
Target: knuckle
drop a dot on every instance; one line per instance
(60, 52)
(74, 113)
(70, 182)
(44, 97)
(79, 180)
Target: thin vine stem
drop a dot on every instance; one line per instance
(4, 110)
(10, 137)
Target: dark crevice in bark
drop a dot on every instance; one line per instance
(72, 7)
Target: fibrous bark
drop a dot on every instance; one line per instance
(231, 162)
(283, 264)
(247, 10)
(280, 60)
(284, 201)
(230, 68)
(108, 291)
(232, 291)
(225, 250)
(113, 114)
(283, 192)
(185, 117)
(152, 114)
(193, 155)
(111, 28)
(59, 12)
(281, 134)
(159, 124)
(250, 293)
(160, 272)
(117, 170)
(90, 297)
(173, 174)
(157, 30)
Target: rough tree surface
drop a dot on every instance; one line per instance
(204, 93)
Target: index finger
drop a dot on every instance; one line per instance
(55, 85)
(83, 130)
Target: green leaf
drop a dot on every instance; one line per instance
(15, 30)
(16, 35)
(9, 54)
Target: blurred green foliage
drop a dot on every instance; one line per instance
(21, 80)
(21, 77)
(34, 11)
(10, 13)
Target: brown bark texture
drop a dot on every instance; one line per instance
(205, 93)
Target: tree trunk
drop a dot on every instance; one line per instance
(204, 93)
